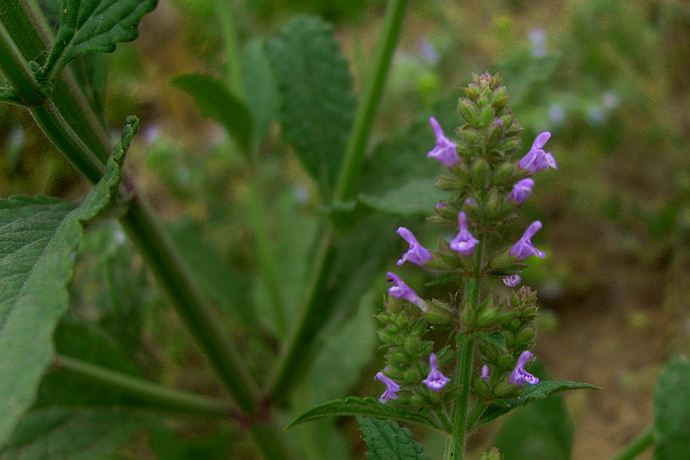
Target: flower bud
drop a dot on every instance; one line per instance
(468, 111)
(385, 337)
(448, 184)
(505, 390)
(525, 337)
(480, 172)
(486, 116)
(505, 174)
(481, 388)
(438, 313)
(412, 375)
(500, 98)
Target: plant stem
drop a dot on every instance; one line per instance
(154, 395)
(16, 69)
(637, 445)
(257, 210)
(297, 353)
(366, 110)
(455, 449)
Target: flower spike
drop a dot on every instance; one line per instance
(537, 159)
(520, 376)
(435, 381)
(464, 243)
(417, 254)
(524, 247)
(445, 150)
(392, 388)
(521, 191)
(402, 291)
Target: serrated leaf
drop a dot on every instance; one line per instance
(37, 244)
(534, 393)
(217, 103)
(539, 431)
(369, 407)
(318, 103)
(88, 26)
(61, 433)
(416, 197)
(672, 411)
(386, 440)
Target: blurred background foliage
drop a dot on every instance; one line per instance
(610, 79)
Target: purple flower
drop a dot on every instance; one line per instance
(464, 242)
(520, 376)
(441, 205)
(402, 291)
(435, 381)
(521, 191)
(392, 388)
(524, 247)
(417, 254)
(485, 373)
(537, 159)
(512, 280)
(444, 151)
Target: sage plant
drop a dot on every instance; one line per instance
(493, 331)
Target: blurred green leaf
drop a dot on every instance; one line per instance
(261, 92)
(37, 248)
(219, 282)
(89, 26)
(539, 431)
(416, 197)
(318, 102)
(62, 433)
(217, 103)
(362, 406)
(672, 411)
(386, 440)
(534, 393)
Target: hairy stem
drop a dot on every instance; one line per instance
(366, 110)
(154, 395)
(455, 449)
(297, 353)
(637, 445)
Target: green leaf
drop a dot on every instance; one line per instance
(534, 393)
(672, 411)
(37, 244)
(260, 88)
(362, 406)
(217, 103)
(89, 26)
(416, 197)
(540, 431)
(386, 440)
(61, 433)
(318, 103)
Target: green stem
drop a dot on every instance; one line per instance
(475, 415)
(154, 395)
(639, 444)
(444, 420)
(17, 70)
(297, 353)
(455, 450)
(364, 119)
(140, 222)
(264, 248)
(232, 49)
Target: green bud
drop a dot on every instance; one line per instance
(500, 98)
(448, 184)
(412, 345)
(505, 362)
(506, 174)
(480, 172)
(481, 388)
(418, 399)
(525, 336)
(505, 390)
(468, 111)
(402, 322)
(486, 116)
(412, 375)
(384, 336)
(438, 313)
(487, 317)
(504, 263)
(497, 207)
(509, 146)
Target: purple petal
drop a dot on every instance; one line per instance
(416, 254)
(512, 280)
